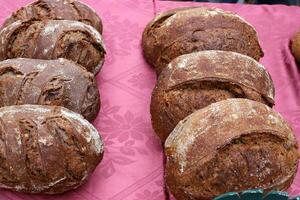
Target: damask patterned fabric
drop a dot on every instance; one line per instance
(132, 168)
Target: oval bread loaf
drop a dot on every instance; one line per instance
(196, 80)
(57, 10)
(295, 47)
(53, 39)
(185, 30)
(231, 145)
(46, 149)
(49, 82)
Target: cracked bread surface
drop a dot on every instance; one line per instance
(46, 149)
(57, 10)
(53, 39)
(49, 82)
(231, 145)
(193, 81)
(186, 30)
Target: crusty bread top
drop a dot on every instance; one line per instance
(224, 66)
(65, 143)
(185, 30)
(177, 14)
(58, 82)
(218, 124)
(57, 10)
(39, 113)
(48, 38)
(27, 64)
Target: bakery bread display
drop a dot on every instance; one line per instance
(50, 52)
(193, 81)
(211, 107)
(57, 10)
(49, 82)
(53, 39)
(46, 149)
(295, 47)
(181, 31)
(231, 145)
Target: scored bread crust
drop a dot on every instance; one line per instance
(49, 82)
(46, 149)
(54, 39)
(178, 91)
(231, 145)
(187, 30)
(57, 10)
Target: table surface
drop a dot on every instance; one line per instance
(132, 167)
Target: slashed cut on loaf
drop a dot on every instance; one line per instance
(49, 82)
(196, 80)
(46, 149)
(57, 10)
(231, 145)
(48, 40)
(185, 30)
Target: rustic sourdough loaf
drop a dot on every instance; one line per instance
(295, 46)
(187, 30)
(46, 149)
(195, 80)
(53, 39)
(49, 82)
(231, 145)
(58, 10)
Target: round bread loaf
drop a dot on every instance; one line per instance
(231, 145)
(296, 47)
(57, 10)
(193, 81)
(53, 39)
(187, 30)
(49, 82)
(46, 149)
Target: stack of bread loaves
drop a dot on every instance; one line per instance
(50, 51)
(211, 106)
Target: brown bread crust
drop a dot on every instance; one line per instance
(57, 10)
(231, 145)
(196, 80)
(53, 39)
(49, 82)
(46, 149)
(181, 31)
(295, 47)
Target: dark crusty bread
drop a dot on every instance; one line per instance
(49, 82)
(295, 47)
(231, 145)
(187, 30)
(57, 10)
(193, 81)
(46, 149)
(53, 39)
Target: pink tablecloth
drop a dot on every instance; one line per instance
(132, 166)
